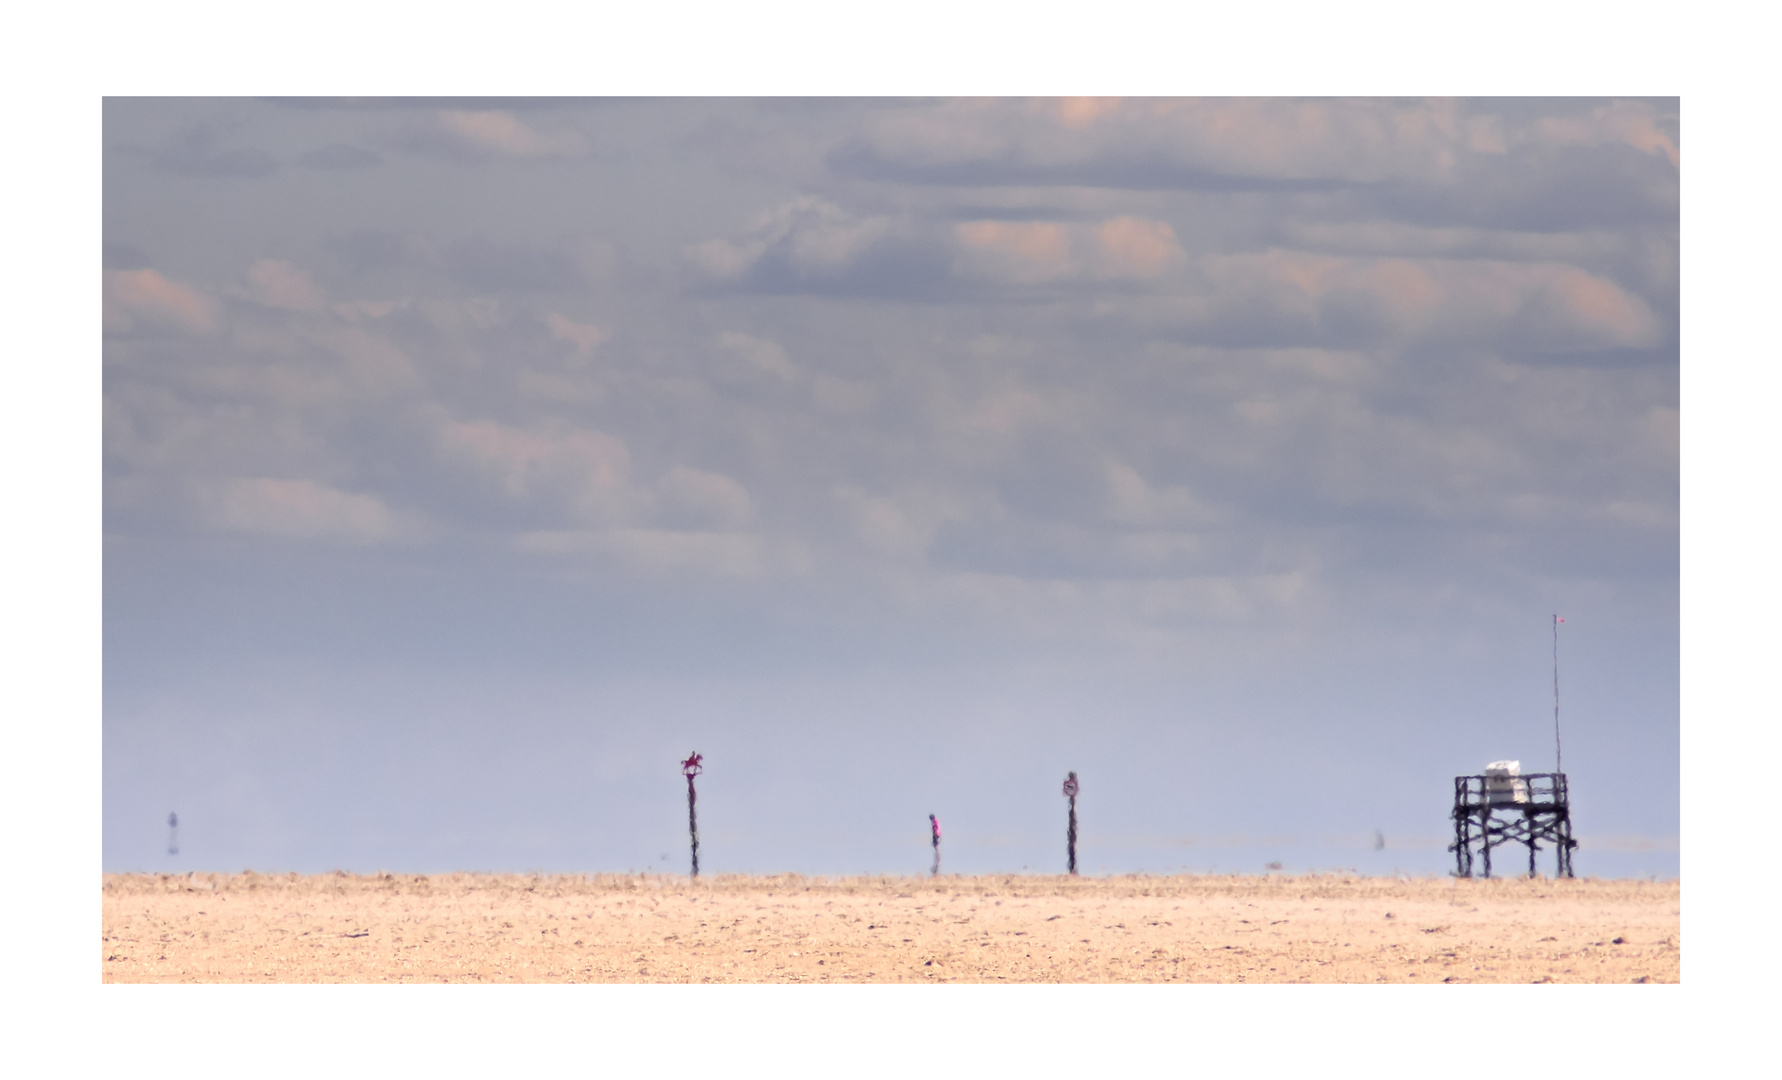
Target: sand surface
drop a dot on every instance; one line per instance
(512, 928)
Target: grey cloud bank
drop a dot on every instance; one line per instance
(467, 463)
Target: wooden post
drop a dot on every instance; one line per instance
(691, 768)
(934, 830)
(1070, 832)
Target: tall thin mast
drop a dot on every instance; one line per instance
(1558, 755)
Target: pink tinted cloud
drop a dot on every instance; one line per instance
(1364, 140)
(1078, 112)
(145, 294)
(584, 336)
(1033, 251)
(762, 355)
(708, 498)
(1594, 310)
(584, 471)
(1554, 304)
(498, 132)
(1136, 247)
(300, 509)
(280, 284)
(1354, 140)
(1017, 250)
(1632, 123)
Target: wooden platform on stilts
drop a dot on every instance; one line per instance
(1528, 810)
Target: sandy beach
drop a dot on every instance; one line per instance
(732, 929)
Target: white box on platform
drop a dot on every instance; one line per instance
(1504, 785)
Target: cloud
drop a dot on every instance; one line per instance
(808, 245)
(144, 295)
(692, 497)
(357, 310)
(579, 473)
(1627, 123)
(1132, 500)
(1122, 248)
(1532, 165)
(1158, 142)
(1111, 381)
(662, 552)
(1281, 297)
(584, 336)
(205, 146)
(900, 525)
(341, 156)
(808, 235)
(1023, 251)
(763, 357)
(815, 247)
(496, 133)
(279, 284)
(1078, 112)
(501, 268)
(1530, 302)
(365, 251)
(1568, 309)
(300, 510)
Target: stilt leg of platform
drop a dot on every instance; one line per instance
(1529, 824)
(1485, 847)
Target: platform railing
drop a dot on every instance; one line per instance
(1543, 790)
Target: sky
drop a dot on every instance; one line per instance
(467, 463)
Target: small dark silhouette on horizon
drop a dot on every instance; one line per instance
(172, 833)
(1379, 840)
(934, 829)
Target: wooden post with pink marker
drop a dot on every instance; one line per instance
(689, 769)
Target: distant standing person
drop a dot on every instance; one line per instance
(934, 830)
